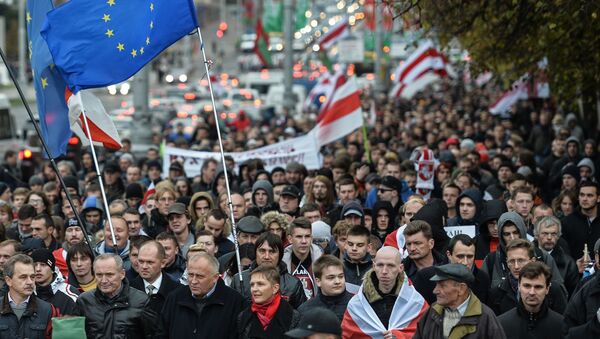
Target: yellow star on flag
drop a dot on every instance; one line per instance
(133, 53)
(142, 50)
(151, 7)
(28, 17)
(111, 2)
(106, 18)
(109, 33)
(147, 40)
(44, 83)
(120, 47)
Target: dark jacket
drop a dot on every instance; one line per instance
(34, 324)
(566, 266)
(285, 319)
(580, 316)
(410, 268)
(176, 269)
(480, 287)
(519, 323)
(337, 304)
(383, 205)
(126, 315)
(157, 300)
(155, 224)
(577, 231)
(382, 304)
(475, 195)
(64, 304)
(477, 322)
(290, 287)
(502, 298)
(492, 210)
(353, 272)
(181, 319)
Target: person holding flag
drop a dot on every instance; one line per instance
(387, 305)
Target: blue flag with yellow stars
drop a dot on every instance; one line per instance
(97, 43)
(49, 85)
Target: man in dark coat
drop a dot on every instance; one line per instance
(208, 309)
(419, 245)
(332, 295)
(457, 313)
(51, 288)
(532, 318)
(583, 225)
(114, 309)
(151, 280)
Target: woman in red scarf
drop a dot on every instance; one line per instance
(270, 315)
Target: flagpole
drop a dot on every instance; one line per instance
(88, 133)
(229, 203)
(47, 151)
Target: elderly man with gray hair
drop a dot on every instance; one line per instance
(548, 231)
(206, 308)
(114, 309)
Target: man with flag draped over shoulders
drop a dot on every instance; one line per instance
(387, 305)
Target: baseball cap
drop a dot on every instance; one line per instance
(292, 191)
(318, 320)
(177, 208)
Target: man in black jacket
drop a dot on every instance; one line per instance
(583, 225)
(357, 260)
(207, 309)
(51, 288)
(419, 245)
(114, 309)
(22, 314)
(547, 232)
(532, 318)
(329, 276)
(151, 280)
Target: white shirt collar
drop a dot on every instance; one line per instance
(156, 284)
(11, 300)
(463, 307)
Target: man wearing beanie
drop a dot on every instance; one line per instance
(134, 194)
(51, 287)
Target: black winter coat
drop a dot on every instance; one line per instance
(290, 287)
(480, 287)
(157, 300)
(410, 268)
(62, 302)
(181, 319)
(125, 316)
(580, 316)
(354, 273)
(285, 319)
(336, 304)
(155, 224)
(577, 231)
(34, 324)
(518, 323)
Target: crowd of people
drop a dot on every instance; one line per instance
(357, 248)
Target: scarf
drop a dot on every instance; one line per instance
(266, 312)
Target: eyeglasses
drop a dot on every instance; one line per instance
(520, 262)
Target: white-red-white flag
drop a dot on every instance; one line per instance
(423, 67)
(342, 116)
(339, 31)
(519, 90)
(103, 130)
(151, 190)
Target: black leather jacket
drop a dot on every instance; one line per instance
(34, 324)
(126, 315)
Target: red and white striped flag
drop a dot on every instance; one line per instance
(423, 67)
(342, 116)
(360, 320)
(151, 190)
(339, 31)
(519, 90)
(103, 130)
(324, 87)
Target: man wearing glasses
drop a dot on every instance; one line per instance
(503, 297)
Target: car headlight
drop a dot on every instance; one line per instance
(169, 78)
(182, 78)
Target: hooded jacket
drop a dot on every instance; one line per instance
(255, 209)
(192, 206)
(383, 205)
(475, 196)
(492, 210)
(353, 205)
(495, 262)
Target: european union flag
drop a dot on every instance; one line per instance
(49, 85)
(97, 43)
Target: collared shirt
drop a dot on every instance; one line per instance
(463, 307)
(12, 302)
(156, 284)
(212, 290)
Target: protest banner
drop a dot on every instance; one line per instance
(469, 230)
(302, 149)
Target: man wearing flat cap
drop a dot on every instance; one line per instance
(457, 313)
(319, 323)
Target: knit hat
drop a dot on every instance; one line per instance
(3, 187)
(35, 180)
(467, 144)
(71, 182)
(572, 171)
(45, 256)
(134, 190)
(585, 162)
(320, 230)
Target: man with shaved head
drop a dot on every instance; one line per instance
(387, 304)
